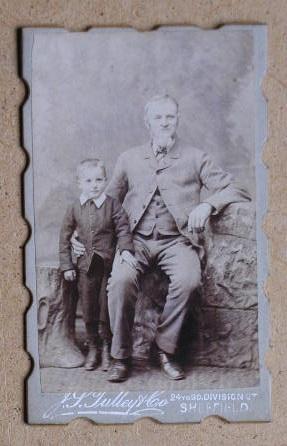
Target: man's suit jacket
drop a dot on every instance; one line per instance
(180, 176)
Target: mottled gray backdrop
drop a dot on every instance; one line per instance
(88, 97)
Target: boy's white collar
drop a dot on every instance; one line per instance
(98, 201)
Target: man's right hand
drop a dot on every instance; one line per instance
(78, 247)
(127, 257)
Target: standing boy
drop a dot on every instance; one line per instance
(100, 222)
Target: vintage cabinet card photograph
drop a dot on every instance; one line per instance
(145, 194)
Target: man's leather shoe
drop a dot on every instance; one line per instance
(119, 371)
(169, 366)
(106, 357)
(92, 358)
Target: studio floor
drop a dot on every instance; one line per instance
(197, 378)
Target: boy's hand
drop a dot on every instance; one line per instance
(77, 247)
(198, 217)
(126, 256)
(70, 275)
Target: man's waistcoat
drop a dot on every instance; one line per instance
(157, 217)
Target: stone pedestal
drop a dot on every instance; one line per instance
(56, 320)
(227, 324)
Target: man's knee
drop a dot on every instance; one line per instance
(122, 286)
(122, 278)
(186, 282)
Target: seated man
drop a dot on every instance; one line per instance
(159, 184)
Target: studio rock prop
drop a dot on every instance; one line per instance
(87, 94)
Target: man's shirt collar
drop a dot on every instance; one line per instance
(98, 201)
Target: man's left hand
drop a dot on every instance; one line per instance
(198, 217)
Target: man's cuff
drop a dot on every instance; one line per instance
(214, 208)
(131, 250)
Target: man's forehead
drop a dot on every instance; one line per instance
(162, 105)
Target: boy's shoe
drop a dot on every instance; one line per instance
(92, 358)
(106, 357)
(119, 371)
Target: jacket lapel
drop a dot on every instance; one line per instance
(149, 157)
(170, 157)
(165, 162)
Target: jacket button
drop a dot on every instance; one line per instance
(135, 221)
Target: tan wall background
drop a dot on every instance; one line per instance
(14, 299)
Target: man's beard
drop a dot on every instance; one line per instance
(163, 140)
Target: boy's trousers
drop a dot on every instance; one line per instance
(93, 295)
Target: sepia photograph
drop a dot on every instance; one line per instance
(145, 194)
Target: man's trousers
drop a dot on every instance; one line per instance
(179, 261)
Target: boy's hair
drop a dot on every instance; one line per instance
(91, 162)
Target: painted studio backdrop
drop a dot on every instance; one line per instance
(88, 96)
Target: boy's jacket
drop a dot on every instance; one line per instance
(99, 229)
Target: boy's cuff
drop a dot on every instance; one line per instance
(126, 244)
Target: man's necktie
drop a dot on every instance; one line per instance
(160, 152)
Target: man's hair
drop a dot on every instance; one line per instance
(90, 162)
(159, 98)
